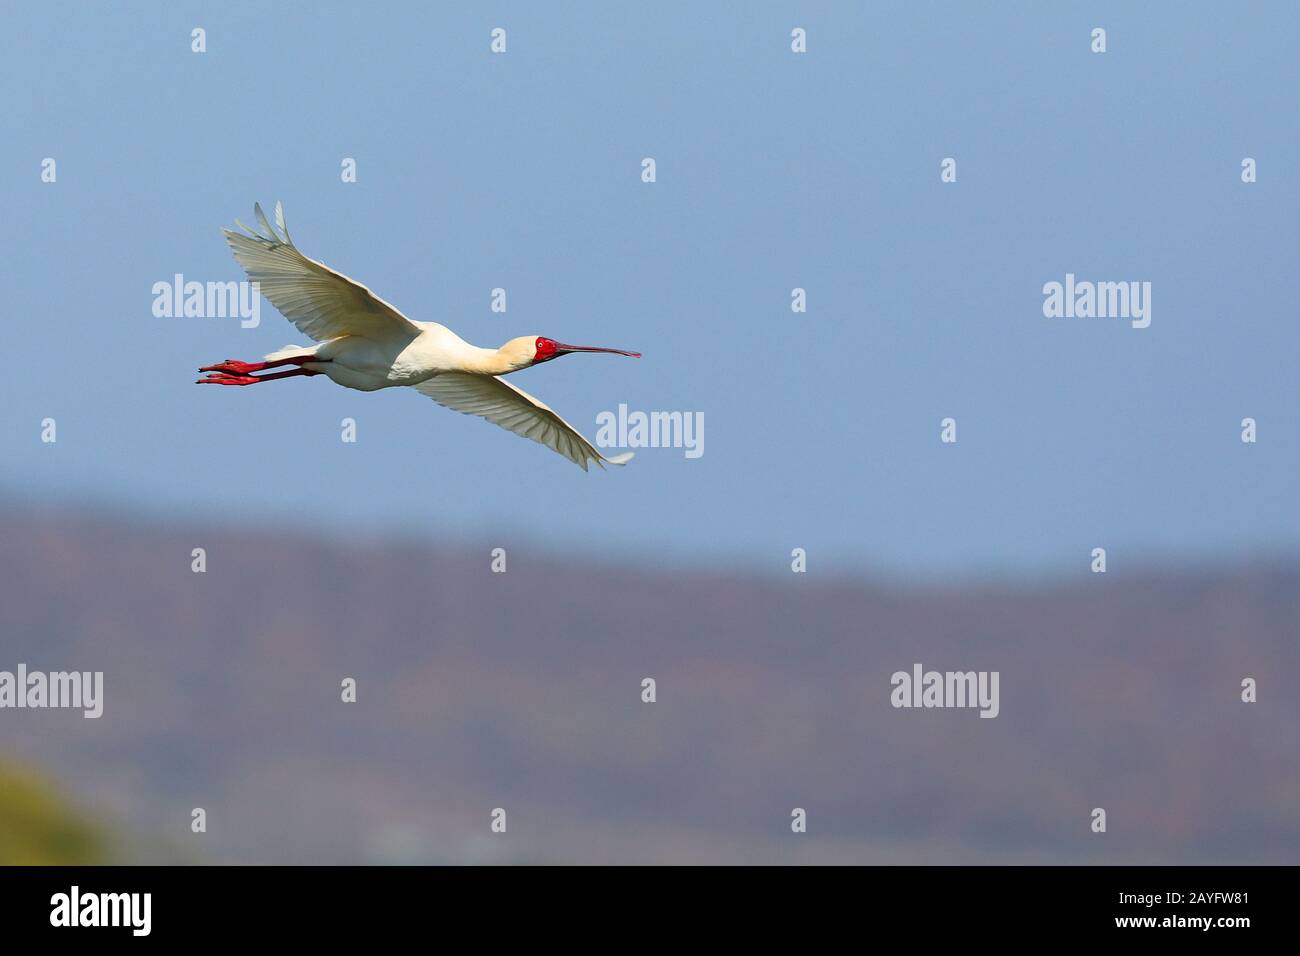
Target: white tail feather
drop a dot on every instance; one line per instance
(291, 351)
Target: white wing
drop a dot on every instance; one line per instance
(502, 404)
(322, 303)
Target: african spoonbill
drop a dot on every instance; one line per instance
(366, 344)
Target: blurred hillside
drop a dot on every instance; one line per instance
(39, 828)
(522, 690)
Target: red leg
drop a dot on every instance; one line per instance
(236, 367)
(219, 378)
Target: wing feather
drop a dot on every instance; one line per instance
(322, 303)
(501, 403)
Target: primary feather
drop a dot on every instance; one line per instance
(322, 303)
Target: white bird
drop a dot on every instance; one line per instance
(366, 344)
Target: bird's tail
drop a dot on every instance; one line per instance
(292, 351)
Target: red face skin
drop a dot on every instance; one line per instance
(548, 349)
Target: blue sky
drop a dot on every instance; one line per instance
(775, 170)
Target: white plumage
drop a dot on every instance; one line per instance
(365, 343)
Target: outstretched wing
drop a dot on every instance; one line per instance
(322, 303)
(514, 409)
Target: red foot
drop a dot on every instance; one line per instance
(235, 367)
(219, 379)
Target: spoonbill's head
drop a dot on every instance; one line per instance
(535, 349)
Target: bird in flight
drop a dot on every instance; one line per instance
(362, 342)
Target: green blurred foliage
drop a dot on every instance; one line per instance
(39, 828)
